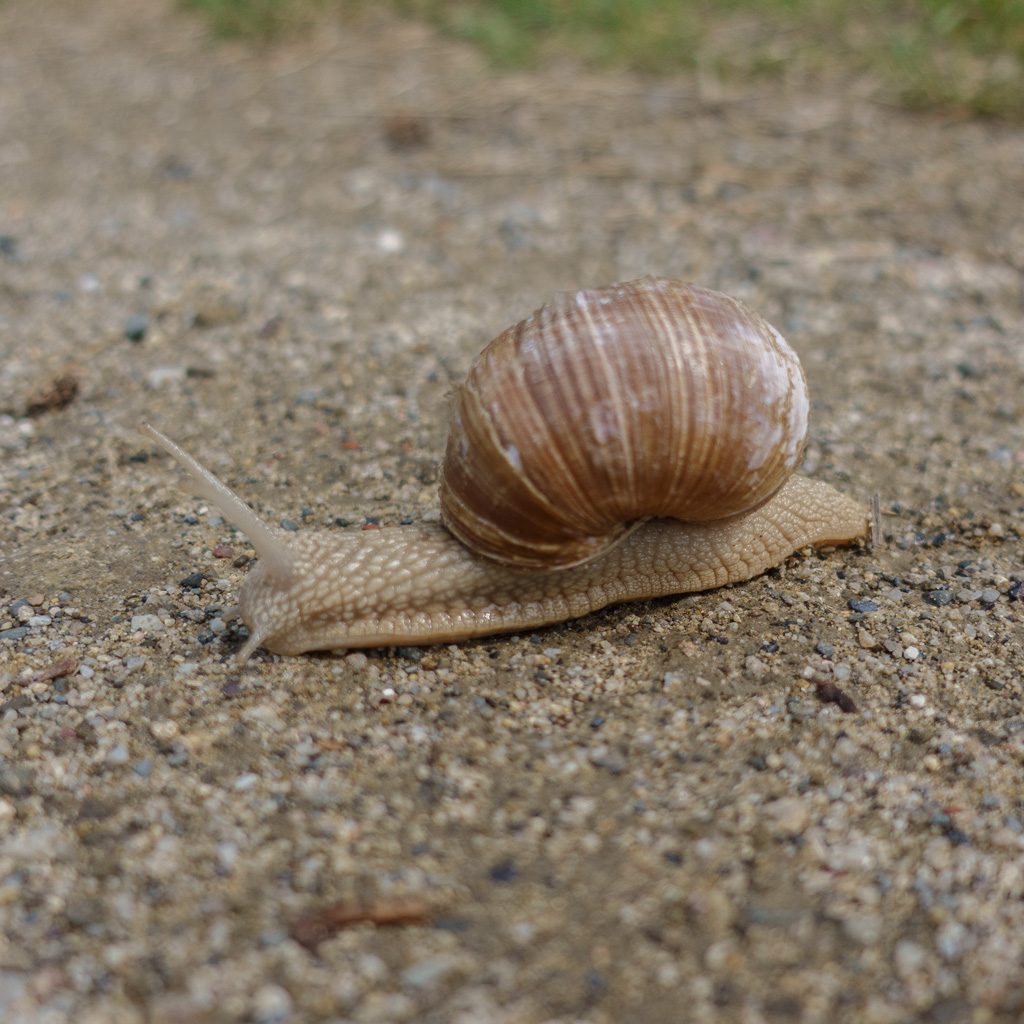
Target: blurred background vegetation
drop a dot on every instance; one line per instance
(964, 55)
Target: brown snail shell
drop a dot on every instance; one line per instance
(605, 408)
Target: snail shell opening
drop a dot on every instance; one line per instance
(612, 406)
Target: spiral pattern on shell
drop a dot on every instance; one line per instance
(609, 407)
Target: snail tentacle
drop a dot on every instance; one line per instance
(272, 549)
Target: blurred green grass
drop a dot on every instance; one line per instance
(966, 55)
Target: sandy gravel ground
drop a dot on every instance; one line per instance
(284, 258)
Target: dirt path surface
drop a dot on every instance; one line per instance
(659, 813)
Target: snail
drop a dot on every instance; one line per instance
(623, 443)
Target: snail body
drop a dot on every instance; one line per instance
(620, 444)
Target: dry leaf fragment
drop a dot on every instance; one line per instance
(316, 925)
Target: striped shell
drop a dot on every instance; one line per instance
(609, 407)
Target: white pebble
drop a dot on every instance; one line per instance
(146, 624)
(164, 730)
(271, 1005)
(390, 241)
(910, 653)
(227, 856)
(908, 958)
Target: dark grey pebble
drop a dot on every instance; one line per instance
(504, 871)
(18, 605)
(287, 524)
(863, 606)
(409, 653)
(938, 598)
(193, 580)
(17, 633)
(23, 700)
(135, 327)
(1017, 591)
(824, 649)
(9, 246)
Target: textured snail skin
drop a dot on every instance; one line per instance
(419, 585)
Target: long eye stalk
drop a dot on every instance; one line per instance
(272, 550)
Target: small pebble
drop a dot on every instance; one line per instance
(800, 711)
(824, 649)
(390, 241)
(146, 624)
(504, 871)
(610, 760)
(135, 327)
(909, 957)
(118, 755)
(789, 815)
(271, 1005)
(863, 606)
(164, 730)
(426, 972)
